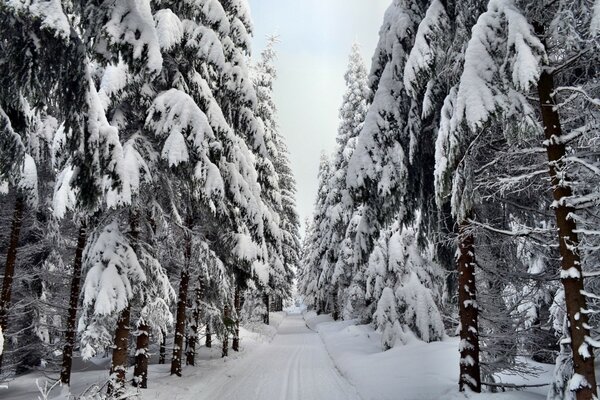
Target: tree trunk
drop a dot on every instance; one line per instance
(140, 372)
(118, 367)
(227, 319)
(162, 351)
(208, 342)
(266, 316)
(67, 361)
(193, 337)
(11, 260)
(572, 278)
(235, 345)
(336, 311)
(470, 373)
(180, 323)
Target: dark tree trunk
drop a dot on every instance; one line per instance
(180, 323)
(162, 351)
(235, 345)
(11, 260)
(181, 309)
(208, 342)
(227, 320)
(470, 373)
(193, 337)
(267, 305)
(67, 361)
(140, 372)
(572, 278)
(118, 367)
(336, 311)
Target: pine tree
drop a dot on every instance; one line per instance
(340, 206)
(312, 252)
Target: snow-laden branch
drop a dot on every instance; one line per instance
(578, 90)
(518, 233)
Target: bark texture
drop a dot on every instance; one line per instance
(180, 323)
(267, 306)
(118, 367)
(11, 261)
(162, 351)
(195, 321)
(140, 373)
(572, 277)
(235, 345)
(208, 341)
(181, 309)
(70, 334)
(227, 319)
(470, 373)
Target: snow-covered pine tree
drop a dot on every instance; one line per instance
(113, 278)
(210, 80)
(492, 86)
(43, 39)
(568, 103)
(312, 251)
(264, 75)
(337, 273)
(406, 286)
(378, 167)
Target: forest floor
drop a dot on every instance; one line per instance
(304, 357)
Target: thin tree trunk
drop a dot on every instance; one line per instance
(266, 316)
(572, 278)
(140, 372)
(227, 319)
(181, 309)
(336, 311)
(67, 361)
(162, 351)
(11, 260)
(208, 342)
(118, 367)
(470, 373)
(235, 345)
(193, 337)
(180, 323)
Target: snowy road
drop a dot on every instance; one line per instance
(294, 366)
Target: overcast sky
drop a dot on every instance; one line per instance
(315, 41)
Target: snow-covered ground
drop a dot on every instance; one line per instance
(416, 371)
(303, 357)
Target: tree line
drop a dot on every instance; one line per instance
(146, 187)
(463, 193)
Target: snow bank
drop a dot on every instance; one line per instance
(416, 371)
(259, 332)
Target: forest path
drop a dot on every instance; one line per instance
(294, 366)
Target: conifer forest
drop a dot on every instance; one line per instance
(152, 238)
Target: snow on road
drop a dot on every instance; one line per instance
(294, 366)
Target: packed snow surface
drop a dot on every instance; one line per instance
(295, 365)
(304, 357)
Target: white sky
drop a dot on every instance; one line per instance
(315, 41)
